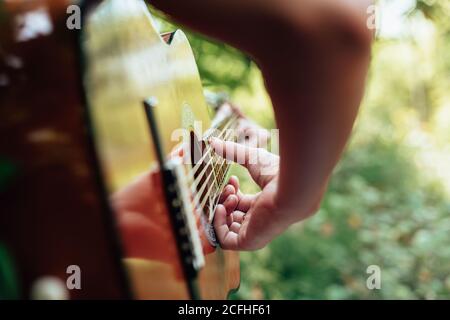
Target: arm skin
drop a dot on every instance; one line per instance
(314, 56)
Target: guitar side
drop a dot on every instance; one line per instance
(53, 213)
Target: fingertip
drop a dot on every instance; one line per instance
(227, 191)
(231, 189)
(220, 215)
(220, 208)
(235, 227)
(231, 203)
(234, 180)
(238, 216)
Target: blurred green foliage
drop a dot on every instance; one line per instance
(388, 203)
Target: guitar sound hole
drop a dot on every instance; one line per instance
(203, 171)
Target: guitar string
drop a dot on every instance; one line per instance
(202, 204)
(204, 156)
(208, 151)
(199, 193)
(200, 162)
(192, 185)
(198, 202)
(207, 165)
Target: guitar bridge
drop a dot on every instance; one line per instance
(181, 209)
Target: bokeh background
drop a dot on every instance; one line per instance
(388, 203)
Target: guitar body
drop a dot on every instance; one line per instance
(80, 180)
(127, 62)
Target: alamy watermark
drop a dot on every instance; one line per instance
(74, 279)
(373, 282)
(73, 21)
(231, 145)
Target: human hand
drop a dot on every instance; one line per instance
(249, 222)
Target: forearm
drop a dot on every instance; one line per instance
(316, 83)
(235, 22)
(315, 123)
(255, 26)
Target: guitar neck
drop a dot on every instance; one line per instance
(221, 167)
(214, 167)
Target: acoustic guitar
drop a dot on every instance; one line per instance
(111, 166)
(137, 80)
